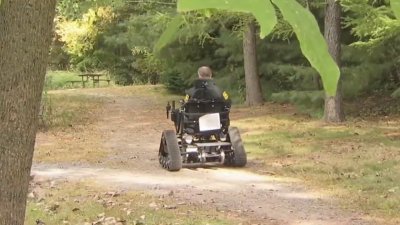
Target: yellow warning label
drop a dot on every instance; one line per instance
(226, 96)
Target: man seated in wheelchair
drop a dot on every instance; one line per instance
(202, 129)
(205, 109)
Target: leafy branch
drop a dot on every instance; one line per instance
(305, 26)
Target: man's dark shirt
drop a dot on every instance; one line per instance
(206, 89)
(206, 97)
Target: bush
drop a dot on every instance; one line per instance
(174, 82)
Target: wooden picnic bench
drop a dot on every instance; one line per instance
(72, 82)
(94, 77)
(98, 81)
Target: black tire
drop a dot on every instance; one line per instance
(170, 154)
(238, 157)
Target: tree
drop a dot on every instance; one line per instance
(304, 25)
(379, 38)
(253, 87)
(114, 35)
(25, 28)
(334, 104)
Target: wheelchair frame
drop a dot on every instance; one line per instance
(187, 146)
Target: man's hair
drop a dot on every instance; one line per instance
(204, 72)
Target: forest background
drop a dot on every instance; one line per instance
(118, 37)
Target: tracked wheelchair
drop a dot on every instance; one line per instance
(202, 136)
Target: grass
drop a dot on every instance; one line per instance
(67, 110)
(359, 162)
(80, 203)
(69, 136)
(59, 79)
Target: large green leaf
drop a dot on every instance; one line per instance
(170, 34)
(262, 10)
(312, 43)
(303, 22)
(395, 4)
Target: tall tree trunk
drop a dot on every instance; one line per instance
(253, 87)
(25, 36)
(334, 105)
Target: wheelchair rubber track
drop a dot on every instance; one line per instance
(239, 156)
(174, 154)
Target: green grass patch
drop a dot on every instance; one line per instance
(60, 79)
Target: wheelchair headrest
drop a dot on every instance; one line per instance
(203, 83)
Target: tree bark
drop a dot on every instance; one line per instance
(25, 36)
(253, 88)
(334, 104)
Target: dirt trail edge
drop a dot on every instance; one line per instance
(133, 126)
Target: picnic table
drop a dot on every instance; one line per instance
(94, 77)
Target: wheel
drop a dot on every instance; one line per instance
(237, 157)
(170, 154)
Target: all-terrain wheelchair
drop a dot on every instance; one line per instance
(202, 136)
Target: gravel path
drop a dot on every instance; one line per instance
(133, 126)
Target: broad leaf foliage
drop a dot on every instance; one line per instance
(262, 10)
(170, 34)
(395, 4)
(303, 22)
(312, 43)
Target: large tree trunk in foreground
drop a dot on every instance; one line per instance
(25, 36)
(253, 87)
(334, 105)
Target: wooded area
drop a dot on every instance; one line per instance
(119, 37)
(326, 57)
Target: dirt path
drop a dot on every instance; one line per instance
(133, 126)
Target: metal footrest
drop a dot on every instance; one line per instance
(213, 144)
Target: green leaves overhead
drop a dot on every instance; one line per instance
(262, 10)
(395, 4)
(312, 42)
(170, 34)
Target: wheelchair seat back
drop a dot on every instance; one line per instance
(194, 109)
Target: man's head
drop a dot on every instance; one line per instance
(204, 72)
